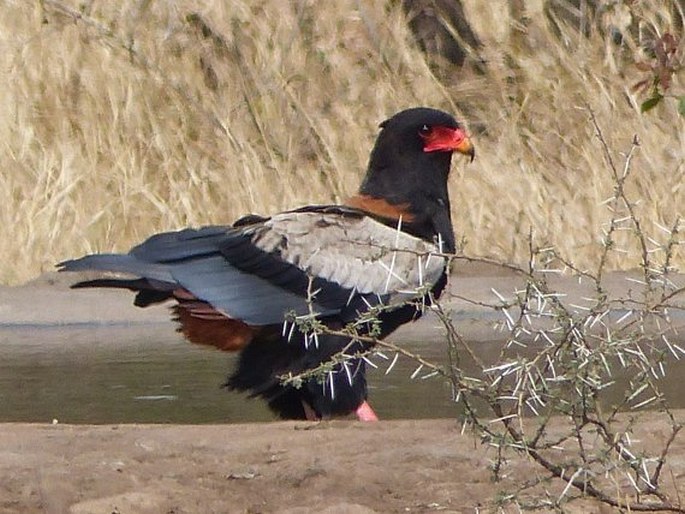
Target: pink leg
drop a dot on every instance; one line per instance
(365, 413)
(310, 413)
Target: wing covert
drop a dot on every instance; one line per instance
(316, 260)
(357, 253)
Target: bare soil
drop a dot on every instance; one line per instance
(284, 467)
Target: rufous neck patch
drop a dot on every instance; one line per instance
(381, 207)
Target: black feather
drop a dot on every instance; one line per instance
(224, 267)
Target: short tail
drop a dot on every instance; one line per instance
(153, 284)
(118, 263)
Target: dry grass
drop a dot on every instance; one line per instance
(112, 129)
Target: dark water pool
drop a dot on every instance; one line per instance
(147, 374)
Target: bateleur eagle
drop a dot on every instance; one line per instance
(244, 287)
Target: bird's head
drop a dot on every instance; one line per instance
(408, 170)
(413, 154)
(426, 130)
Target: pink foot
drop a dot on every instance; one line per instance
(310, 413)
(365, 413)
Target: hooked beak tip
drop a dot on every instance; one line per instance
(467, 148)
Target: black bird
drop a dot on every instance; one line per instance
(247, 287)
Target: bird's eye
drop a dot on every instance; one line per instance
(425, 130)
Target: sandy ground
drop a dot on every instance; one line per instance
(276, 467)
(287, 467)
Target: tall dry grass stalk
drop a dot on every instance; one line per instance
(144, 116)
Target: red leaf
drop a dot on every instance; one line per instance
(669, 42)
(665, 78)
(641, 86)
(643, 66)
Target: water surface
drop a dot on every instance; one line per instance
(144, 374)
(147, 373)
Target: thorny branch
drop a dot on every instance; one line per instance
(516, 403)
(546, 393)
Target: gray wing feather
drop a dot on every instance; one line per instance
(352, 254)
(359, 254)
(241, 295)
(119, 263)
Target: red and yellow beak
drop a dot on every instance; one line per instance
(447, 139)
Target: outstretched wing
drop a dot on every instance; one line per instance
(313, 260)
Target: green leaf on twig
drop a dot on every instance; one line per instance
(681, 105)
(651, 103)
